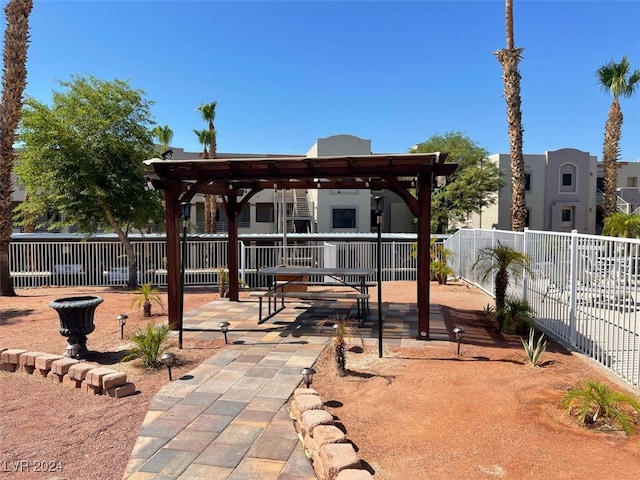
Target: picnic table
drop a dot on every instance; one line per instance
(355, 281)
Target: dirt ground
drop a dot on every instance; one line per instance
(414, 414)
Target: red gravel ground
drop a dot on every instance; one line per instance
(420, 413)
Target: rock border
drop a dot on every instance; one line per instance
(331, 454)
(90, 378)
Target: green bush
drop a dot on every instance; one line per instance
(146, 295)
(148, 344)
(593, 400)
(518, 316)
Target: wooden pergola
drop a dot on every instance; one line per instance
(237, 180)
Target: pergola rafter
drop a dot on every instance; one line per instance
(244, 177)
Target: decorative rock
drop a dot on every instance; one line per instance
(69, 382)
(336, 457)
(62, 366)
(44, 361)
(95, 375)
(304, 391)
(312, 418)
(351, 474)
(302, 403)
(322, 435)
(79, 370)
(121, 390)
(11, 355)
(115, 379)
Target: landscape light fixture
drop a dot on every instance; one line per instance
(168, 358)
(186, 215)
(459, 331)
(224, 328)
(122, 321)
(379, 209)
(72, 350)
(307, 375)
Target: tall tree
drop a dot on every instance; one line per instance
(509, 58)
(472, 187)
(163, 134)
(208, 111)
(210, 201)
(619, 81)
(83, 160)
(14, 80)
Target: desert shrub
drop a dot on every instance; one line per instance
(344, 328)
(591, 401)
(533, 349)
(148, 344)
(146, 295)
(518, 316)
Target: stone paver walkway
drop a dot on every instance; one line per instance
(227, 419)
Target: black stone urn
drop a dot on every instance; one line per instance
(76, 322)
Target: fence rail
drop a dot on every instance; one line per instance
(104, 263)
(584, 289)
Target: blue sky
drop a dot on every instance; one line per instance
(285, 73)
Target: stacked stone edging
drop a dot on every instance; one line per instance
(332, 456)
(88, 377)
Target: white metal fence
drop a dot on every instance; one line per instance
(584, 289)
(103, 263)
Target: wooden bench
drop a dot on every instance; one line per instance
(273, 296)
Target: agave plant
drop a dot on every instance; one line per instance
(344, 329)
(148, 344)
(593, 400)
(533, 349)
(147, 295)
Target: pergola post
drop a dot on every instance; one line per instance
(172, 219)
(424, 254)
(232, 247)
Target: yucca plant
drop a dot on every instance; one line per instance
(593, 400)
(533, 349)
(148, 344)
(344, 328)
(146, 295)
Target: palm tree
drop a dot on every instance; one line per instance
(505, 262)
(164, 135)
(208, 111)
(617, 79)
(14, 79)
(210, 201)
(509, 58)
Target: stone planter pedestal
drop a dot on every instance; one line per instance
(76, 320)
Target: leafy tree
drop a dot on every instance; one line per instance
(208, 111)
(83, 160)
(509, 58)
(14, 79)
(504, 262)
(620, 224)
(470, 188)
(618, 80)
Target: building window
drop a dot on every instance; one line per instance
(566, 215)
(344, 218)
(527, 182)
(265, 213)
(245, 216)
(568, 176)
(632, 182)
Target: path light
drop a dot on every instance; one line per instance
(168, 358)
(459, 331)
(186, 215)
(122, 320)
(72, 350)
(307, 375)
(224, 328)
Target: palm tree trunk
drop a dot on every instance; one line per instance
(610, 155)
(14, 78)
(500, 291)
